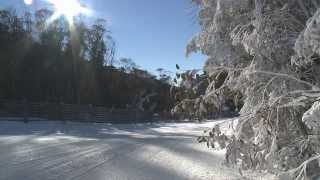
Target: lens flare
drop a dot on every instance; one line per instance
(67, 8)
(28, 2)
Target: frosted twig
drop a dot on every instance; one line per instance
(272, 74)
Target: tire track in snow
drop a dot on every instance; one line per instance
(62, 168)
(73, 148)
(21, 154)
(37, 165)
(128, 151)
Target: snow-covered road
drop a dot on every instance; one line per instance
(84, 151)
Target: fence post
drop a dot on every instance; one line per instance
(61, 105)
(25, 111)
(136, 117)
(89, 117)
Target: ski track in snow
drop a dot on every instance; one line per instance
(81, 151)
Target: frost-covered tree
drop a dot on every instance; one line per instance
(269, 50)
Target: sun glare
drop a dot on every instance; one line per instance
(67, 8)
(28, 2)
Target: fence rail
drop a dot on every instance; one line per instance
(70, 112)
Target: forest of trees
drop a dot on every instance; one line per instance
(59, 62)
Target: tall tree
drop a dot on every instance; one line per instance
(100, 45)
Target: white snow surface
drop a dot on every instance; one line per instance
(88, 151)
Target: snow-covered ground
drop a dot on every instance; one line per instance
(85, 151)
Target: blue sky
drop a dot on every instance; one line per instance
(153, 33)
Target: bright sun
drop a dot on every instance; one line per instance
(67, 8)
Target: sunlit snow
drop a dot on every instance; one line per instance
(56, 150)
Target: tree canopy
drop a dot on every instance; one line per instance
(59, 63)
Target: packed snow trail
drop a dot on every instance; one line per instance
(82, 151)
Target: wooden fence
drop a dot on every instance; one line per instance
(70, 112)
